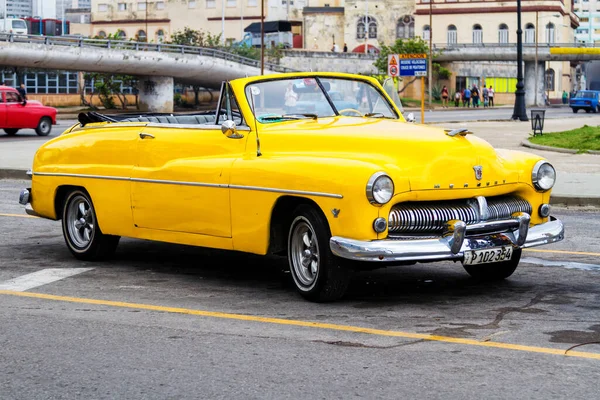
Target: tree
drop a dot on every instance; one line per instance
(193, 37)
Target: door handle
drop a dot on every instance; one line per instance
(146, 135)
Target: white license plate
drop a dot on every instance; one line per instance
(497, 254)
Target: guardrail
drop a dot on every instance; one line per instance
(139, 46)
(444, 46)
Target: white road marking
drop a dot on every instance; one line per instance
(40, 278)
(565, 264)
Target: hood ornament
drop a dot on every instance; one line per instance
(478, 172)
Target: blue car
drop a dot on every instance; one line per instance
(585, 100)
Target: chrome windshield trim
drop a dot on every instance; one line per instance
(201, 184)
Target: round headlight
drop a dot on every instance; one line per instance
(543, 175)
(380, 188)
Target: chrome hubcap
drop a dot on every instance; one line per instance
(44, 126)
(304, 253)
(80, 222)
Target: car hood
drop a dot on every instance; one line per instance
(427, 156)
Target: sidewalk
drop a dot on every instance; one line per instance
(578, 175)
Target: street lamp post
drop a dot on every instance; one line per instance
(519, 111)
(262, 37)
(430, 51)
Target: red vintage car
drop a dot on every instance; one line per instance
(17, 113)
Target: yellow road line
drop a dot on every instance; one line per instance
(582, 253)
(18, 215)
(307, 324)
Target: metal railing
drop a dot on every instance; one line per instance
(111, 44)
(444, 46)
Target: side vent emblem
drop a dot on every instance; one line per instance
(478, 172)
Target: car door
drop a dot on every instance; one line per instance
(16, 111)
(181, 180)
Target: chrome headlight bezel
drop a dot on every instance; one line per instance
(537, 177)
(376, 196)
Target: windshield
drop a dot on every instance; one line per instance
(19, 25)
(316, 97)
(585, 95)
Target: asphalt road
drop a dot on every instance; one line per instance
(164, 321)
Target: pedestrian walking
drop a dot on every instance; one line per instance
(290, 98)
(345, 48)
(22, 91)
(457, 98)
(491, 96)
(565, 97)
(444, 97)
(486, 96)
(475, 96)
(467, 98)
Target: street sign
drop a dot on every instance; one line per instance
(393, 65)
(413, 64)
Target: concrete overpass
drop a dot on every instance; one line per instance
(157, 65)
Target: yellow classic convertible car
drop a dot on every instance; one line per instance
(339, 184)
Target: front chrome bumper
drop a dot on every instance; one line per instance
(453, 245)
(25, 199)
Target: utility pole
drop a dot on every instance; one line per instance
(146, 10)
(366, 26)
(262, 37)
(535, 79)
(223, 22)
(430, 50)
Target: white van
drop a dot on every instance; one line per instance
(13, 25)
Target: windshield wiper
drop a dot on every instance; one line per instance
(288, 116)
(377, 115)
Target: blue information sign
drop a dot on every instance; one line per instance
(413, 67)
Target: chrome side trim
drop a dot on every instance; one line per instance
(287, 191)
(112, 178)
(183, 183)
(193, 126)
(440, 248)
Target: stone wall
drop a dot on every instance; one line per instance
(328, 61)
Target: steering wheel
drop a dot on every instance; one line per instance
(352, 110)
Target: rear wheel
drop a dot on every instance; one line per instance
(11, 131)
(82, 233)
(44, 127)
(588, 110)
(495, 271)
(575, 110)
(318, 274)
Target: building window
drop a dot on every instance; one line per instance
(101, 34)
(550, 80)
(192, 4)
(160, 5)
(365, 24)
(251, 3)
(141, 6)
(210, 4)
(477, 34)
(121, 34)
(141, 36)
(451, 34)
(231, 3)
(426, 32)
(405, 27)
(102, 7)
(503, 33)
(529, 33)
(49, 82)
(160, 36)
(550, 33)
(122, 6)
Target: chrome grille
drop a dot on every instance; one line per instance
(432, 216)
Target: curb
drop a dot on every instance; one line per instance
(555, 200)
(527, 143)
(13, 174)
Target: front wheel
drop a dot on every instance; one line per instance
(318, 274)
(495, 271)
(44, 127)
(575, 110)
(82, 233)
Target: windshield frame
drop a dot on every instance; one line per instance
(317, 77)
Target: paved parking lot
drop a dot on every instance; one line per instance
(167, 321)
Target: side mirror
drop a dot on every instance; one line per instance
(229, 129)
(410, 117)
